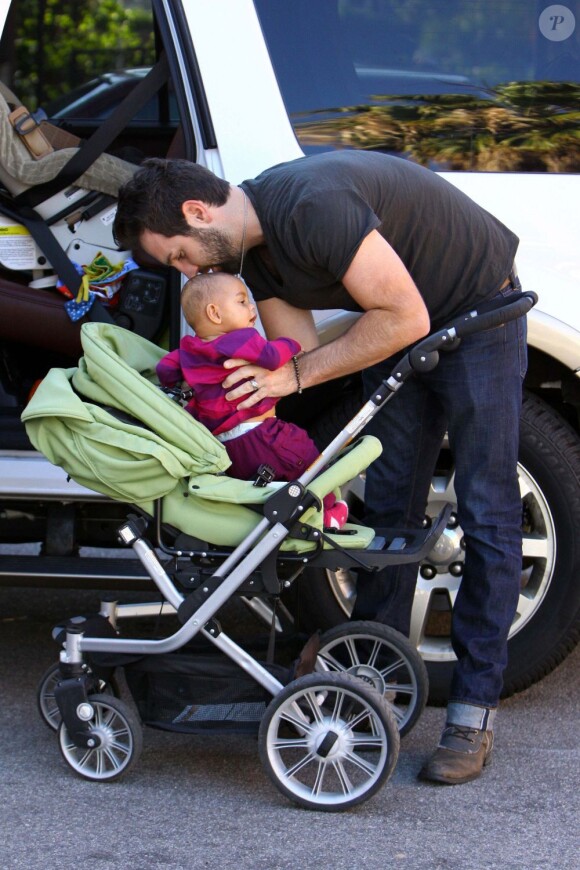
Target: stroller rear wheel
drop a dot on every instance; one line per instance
(385, 659)
(46, 701)
(120, 741)
(328, 741)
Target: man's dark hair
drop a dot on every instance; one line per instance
(152, 199)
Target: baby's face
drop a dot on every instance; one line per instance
(236, 310)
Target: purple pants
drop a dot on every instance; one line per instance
(287, 448)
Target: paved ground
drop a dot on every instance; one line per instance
(195, 802)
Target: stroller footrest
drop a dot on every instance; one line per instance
(402, 546)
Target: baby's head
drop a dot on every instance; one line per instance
(215, 303)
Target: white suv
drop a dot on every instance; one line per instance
(486, 94)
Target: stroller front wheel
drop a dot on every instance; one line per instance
(328, 742)
(46, 701)
(120, 740)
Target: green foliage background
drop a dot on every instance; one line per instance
(59, 44)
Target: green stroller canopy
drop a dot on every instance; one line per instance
(72, 419)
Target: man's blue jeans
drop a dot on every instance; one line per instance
(475, 395)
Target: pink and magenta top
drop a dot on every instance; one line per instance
(200, 364)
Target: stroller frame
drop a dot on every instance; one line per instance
(358, 720)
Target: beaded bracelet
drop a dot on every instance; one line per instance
(297, 372)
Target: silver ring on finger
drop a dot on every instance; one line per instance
(254, 384)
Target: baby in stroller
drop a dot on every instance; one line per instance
(217, 307)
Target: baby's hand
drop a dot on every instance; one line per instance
(235, 363)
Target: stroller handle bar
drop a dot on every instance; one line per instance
(495, 313)
(424, 356)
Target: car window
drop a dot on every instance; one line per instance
(98, 98)
(77, 58)
(488, 85)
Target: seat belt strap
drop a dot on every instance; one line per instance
(56, 255)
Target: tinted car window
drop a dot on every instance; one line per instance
(97, 99)
(53, 51)
(452, 84)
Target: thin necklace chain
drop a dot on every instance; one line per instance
(243, 251)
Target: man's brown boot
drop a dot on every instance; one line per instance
(460, 757)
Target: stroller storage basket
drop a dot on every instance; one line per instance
(195, 693)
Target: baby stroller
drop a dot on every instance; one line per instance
(329, 720)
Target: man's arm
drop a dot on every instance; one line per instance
(279, 318)
(394, 317)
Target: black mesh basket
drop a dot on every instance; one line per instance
(194, 693)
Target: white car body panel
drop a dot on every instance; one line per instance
(542, 210)
(29, 475)
(255, 133)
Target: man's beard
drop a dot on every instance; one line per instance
(219, 250)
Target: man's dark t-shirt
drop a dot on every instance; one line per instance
(316, 211)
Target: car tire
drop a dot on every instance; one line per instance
(547, 623)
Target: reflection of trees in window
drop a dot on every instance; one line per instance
(531, 126)
(59, 44)
(488, 41)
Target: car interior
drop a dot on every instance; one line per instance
(59, 178)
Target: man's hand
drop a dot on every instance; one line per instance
(278, 383)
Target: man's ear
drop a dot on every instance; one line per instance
(196, 212)
(213, 313)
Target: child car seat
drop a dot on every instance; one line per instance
(57, 210)
(80, 217)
